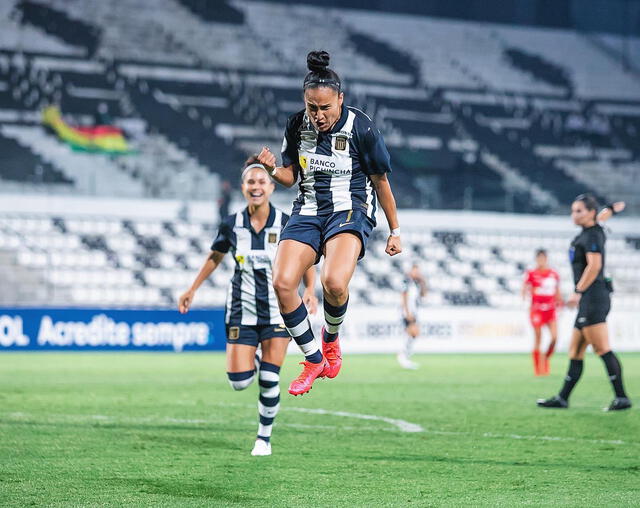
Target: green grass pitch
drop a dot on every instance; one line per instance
(139, 429)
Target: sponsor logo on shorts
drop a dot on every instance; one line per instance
(234, 333)
(582, 319)
(348, 221)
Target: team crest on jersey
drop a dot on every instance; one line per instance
(240, 259)
(341, 142)
(273, 237)
(234, 332)
(303, 162)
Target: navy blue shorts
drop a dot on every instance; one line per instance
(315, 230)
(252, 335)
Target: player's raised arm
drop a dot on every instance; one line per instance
(284, 175)
(610, 210)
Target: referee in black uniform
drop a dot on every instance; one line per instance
(592, 297)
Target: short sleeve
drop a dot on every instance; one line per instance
(528, 279)
(375, 156)
(289, 145)
(222, 243)
(594, 242)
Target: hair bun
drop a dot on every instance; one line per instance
(318, 61)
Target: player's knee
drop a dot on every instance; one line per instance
(241, 380)
(335, 287)
(284, 285)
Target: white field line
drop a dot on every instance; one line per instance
(401, 425)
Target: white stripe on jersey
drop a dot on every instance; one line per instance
(368, 187)
(274, 310)
(237, 225)
(310, 206)
(248, 282)
(370, 191)
(340, 186)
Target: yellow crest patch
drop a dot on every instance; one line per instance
(234, 332)
(303, 162)
(240, 259)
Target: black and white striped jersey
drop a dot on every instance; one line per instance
(413, 288)
(251, 299)
(334, 167)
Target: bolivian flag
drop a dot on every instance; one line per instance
(99, 138)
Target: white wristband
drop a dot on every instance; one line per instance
(272, 171)
(395, 232)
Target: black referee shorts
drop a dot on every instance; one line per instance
(593, 309)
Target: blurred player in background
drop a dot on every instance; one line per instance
(543, 285)
(341, 161)
(252, 317)
(592, 297)
(414, 292)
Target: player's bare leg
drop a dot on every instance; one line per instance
(535, 353)
(553, 332)
(341, 256)
(293, 259)
(404, 357)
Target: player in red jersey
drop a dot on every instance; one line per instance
(543, 284)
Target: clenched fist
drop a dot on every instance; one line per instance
(267, 159)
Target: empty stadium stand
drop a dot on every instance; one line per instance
(476, 116)
(106, 260)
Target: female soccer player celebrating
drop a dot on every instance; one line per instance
(341, 162)
(252, 315)
(591, 296)
(543, 283)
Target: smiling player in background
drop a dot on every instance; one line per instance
(252, 317)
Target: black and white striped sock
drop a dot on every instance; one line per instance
(269, 402)
(333, 317)
(299, 327)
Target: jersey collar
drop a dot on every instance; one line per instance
(344, 112)
(246, 219)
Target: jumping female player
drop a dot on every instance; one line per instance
(543, 283)
(591, 296)
(252, 315)
(341, 160)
